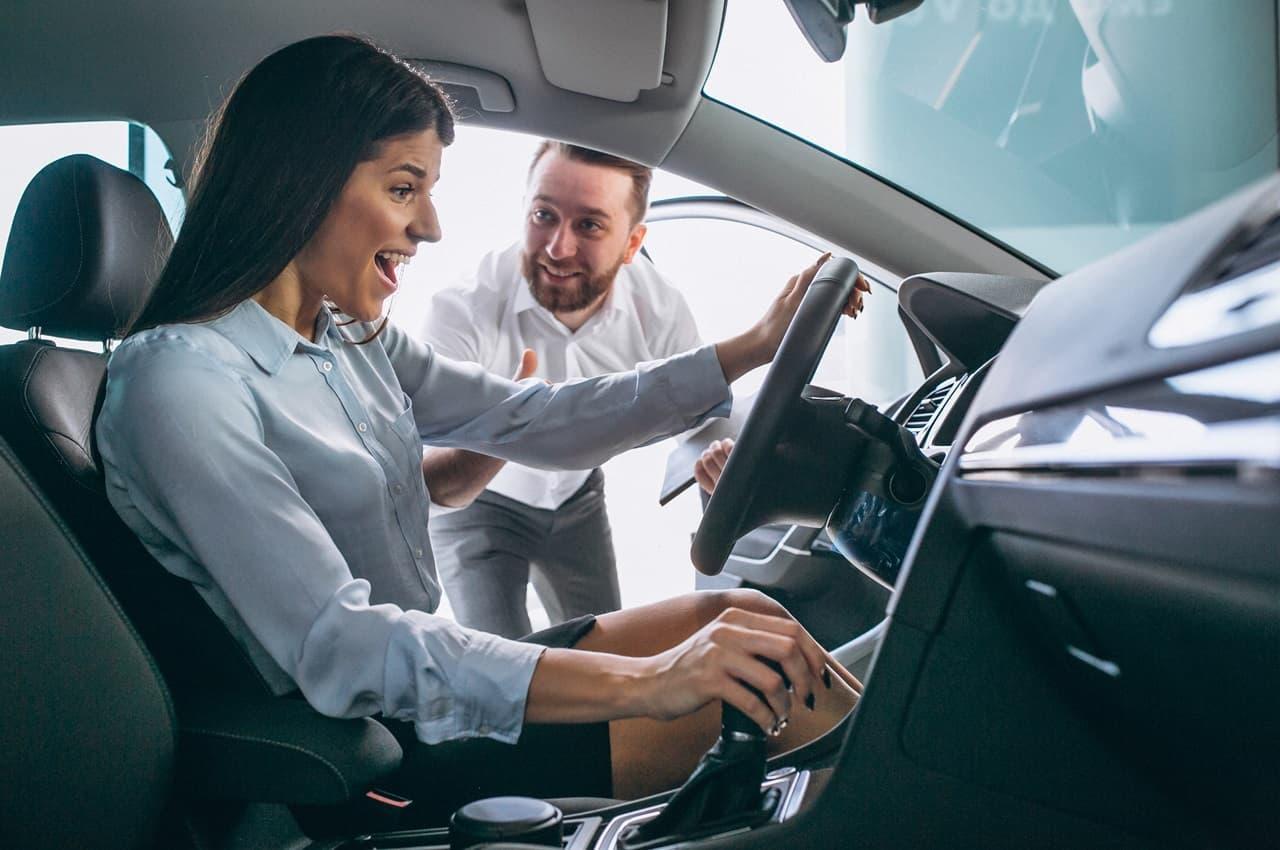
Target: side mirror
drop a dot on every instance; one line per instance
(824, 22)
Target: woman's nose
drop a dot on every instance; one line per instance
(426, 226)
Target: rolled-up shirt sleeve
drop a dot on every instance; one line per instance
(182, 442)
(576, 424)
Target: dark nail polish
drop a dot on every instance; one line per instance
(810, 701)
(826, 677)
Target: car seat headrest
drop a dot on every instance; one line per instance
(86, 248)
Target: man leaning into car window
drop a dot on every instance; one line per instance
(575, 299)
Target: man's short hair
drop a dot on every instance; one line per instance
(641, 175)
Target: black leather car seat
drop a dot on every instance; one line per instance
(85, 248)
(88, 733)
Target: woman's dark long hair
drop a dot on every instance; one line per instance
(275, 158)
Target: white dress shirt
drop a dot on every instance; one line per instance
(492, 317)
(282, 477)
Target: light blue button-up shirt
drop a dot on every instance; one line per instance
(283, 479)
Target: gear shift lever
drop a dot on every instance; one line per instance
(724, 789)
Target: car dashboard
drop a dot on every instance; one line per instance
(1079, 646)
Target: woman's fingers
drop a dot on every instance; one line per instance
(790, 287)
(861, 288)
(742, 698)
(767, 682)
(799, 285)
(815, 657)
(774, 653)
(764, 664)
(785, 642)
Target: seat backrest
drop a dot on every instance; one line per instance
(87, 734)
(237, 741)
(84, 252)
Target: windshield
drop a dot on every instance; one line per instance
(1064, 128)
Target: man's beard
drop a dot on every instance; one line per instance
(567, 297)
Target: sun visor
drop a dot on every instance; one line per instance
(611, 49)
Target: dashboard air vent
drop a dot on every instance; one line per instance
(927, 409)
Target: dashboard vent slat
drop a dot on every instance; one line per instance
(920, 419)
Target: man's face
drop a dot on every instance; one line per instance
(578, 232)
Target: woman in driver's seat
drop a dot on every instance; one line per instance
(262, 434)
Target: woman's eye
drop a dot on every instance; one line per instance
(403, 193)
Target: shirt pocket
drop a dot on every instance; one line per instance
(405, 427)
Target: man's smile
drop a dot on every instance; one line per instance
(559, 274)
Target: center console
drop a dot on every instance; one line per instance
(783, 790)
(729, 792)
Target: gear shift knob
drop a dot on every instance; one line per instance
(734, 725)
(724, 788)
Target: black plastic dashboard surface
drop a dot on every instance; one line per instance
(967, 316)
(1089, 330)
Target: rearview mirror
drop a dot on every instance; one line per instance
(824, 22)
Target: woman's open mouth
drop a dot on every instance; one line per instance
(388, 264)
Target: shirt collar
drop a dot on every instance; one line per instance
(524, 298)
(525, 301)
(266, 339)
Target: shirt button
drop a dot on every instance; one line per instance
(362, 427)
(397, 488)
(417, 553)
(326, 366)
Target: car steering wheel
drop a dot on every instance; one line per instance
(734, 509)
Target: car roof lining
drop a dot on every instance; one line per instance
(169, 66)
(146, 62)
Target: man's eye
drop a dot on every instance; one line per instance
(591, 225)
(543, 216)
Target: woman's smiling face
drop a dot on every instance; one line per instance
(377, 222)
